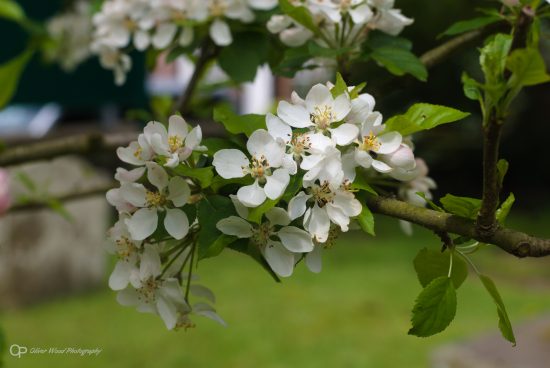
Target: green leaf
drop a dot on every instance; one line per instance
(423, 116)
(11, 10)
(294, 185)
(218, 182)
(470, 24)
(241, 59)
(505, 207)
(237, 124)
(211, 210)
(293, 61)
(219, 245)
(316, 50)
(204, 174)
(527, 67)
(503, 320)
(461, 206)
(255, 214)
(340, 87)
(213, 145)
(379, 39)
(366, 220)
(472, 88)
(434, 308)
(399, 61)
(502, 169)
(493, 58)
(356, 90)
(10, 72)
(431, 264)
(300, 14)
(360, 182)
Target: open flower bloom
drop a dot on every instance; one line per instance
(127, 251)
(279, 243)
(137, 153)
(387, 19)
(5, 198)
(168, 196)
(323, 204)
(177, 143)
(151, 294)
(374, 143)
(319, 112)
(265, 167)
(417, 180)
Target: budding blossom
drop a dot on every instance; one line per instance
(121, 25)
(341, 23)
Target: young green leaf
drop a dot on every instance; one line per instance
(493, 58)
(502, 169)
(366, 220)
(300, 14)
(340, 87)
(431, 264)
(399, 61)
(503, 320)
(241, 59)
(527, 67)
(423, 116)
(237, 124)
(434, 308)
(10, 72)
(211, 210)
(472, 88)
(470, 24)
(219, 245)
(461, 206)
(204, 174)
(360, 183)
(11, 10)
(505, 207)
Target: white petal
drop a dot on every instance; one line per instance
(177, 126)
(150, 265)
(361, 15)
(338, 216)
(130, 154)
(319, 95)
(295, 240)
(344, 134)
(220, 33)
(262, 4)
(178, 191)
(341, 107)
(402, 158)
(277, 128)
(186, 36)
(361, 108)
(142, 223)
(168, 312)
(120, 276)
(129, 176)
(389, 142)
(203, 292)
(314, 259)
(381, 166)
(363, 158)
(229, 163)
(235, 226)
(295, 36)
(239, 207)
(279, 259)
(261, 143)
(294, 115)
(194, 138)
(176, 223)
(134, 193)
(278, 216)
(319, 224)
(141, 40)
(297, 205)
(128, 297)
(251, 195)
(276, 183)
(164, 35)
(157, 175)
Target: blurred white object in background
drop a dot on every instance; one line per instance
(29, 120)
(258, 96)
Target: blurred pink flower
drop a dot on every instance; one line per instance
(4, 191)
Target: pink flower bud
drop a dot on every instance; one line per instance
(5, 200)
(403, 158)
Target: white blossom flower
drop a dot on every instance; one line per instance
(127, 251)
(177, 143)
(280, 254)
(319, 112)
(265, 167)
(414, 181)
(168, 196)
(387, 19)
(323, 204)
(137, 153)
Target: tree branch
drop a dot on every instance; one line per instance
(208, 51)
(439, 53)
(85, 193)
(514, 242)
(77, 144)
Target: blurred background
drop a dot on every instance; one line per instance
(53, 267)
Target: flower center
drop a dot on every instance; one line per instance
(262, 233)
(370, 143)
(155, 199)
(259, 168)
(147, 290)
(322, 194)
(130, 24)
(345, 5)
(137, 153)
(322, 117)
(125, 247)
(217, 8)
(300, 143)
(175, 142)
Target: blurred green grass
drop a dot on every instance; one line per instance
(354, 314)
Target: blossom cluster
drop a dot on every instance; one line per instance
(297, 191)
(160, 24)
(341, 23)
(148, 193)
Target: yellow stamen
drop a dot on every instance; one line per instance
(155, 199)
(322, 117)
(370, 143)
